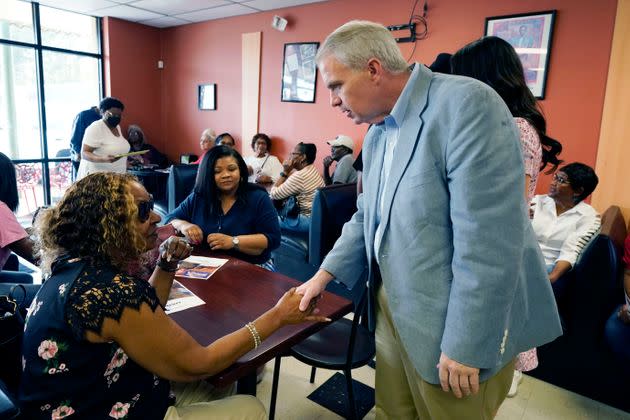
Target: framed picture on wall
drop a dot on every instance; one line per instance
(530, 34)
(299, 72)
(207, 97)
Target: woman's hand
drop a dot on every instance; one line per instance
(287, 166)
(192, 232)
(264, 179)
(175, 249)
(624, 315)
(219, 241)
(288, 309)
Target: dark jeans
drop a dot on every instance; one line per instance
(618, 336)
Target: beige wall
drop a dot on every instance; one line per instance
(613, 154)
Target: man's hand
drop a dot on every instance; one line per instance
(461, 379)
(328, 160)
(313, 288)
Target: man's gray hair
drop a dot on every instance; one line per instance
(356, 42)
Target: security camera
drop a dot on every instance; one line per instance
(278, 23)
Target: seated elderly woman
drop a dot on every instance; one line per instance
(138, 141)
(299, 179)
(263, 167)
(562, 221)
(228, 213)
(90, 346)
(206, 142)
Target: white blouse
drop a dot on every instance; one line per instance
(105, 143)
(563, 237)
(267, 165)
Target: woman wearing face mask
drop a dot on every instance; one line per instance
(103, 141)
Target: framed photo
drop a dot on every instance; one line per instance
(530, 34)
(299, 72)
(207, 97)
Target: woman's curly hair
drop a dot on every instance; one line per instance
(96, 218)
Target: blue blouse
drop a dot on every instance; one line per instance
(252, 214)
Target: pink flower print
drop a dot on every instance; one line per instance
(115, 377)
(62, 289)
(23, 363)
(61, 412)
(119, 359)
(52, 371)
(47, 349)
(119, 410)
(62, 366)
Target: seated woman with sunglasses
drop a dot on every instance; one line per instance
(90, 349)
(562, 221)
(226, 212)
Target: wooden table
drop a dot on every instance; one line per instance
(236, 294)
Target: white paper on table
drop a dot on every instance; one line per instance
(180, 298)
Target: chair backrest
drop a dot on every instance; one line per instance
(181, 181)
(597, 286)
(333, 206)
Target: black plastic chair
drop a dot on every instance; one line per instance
(9, 409)
(180, 183)
(343, 345)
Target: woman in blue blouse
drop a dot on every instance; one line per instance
(229, 214)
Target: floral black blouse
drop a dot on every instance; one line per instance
(64, 375)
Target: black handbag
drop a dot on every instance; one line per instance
(11, 333)
(290, 209)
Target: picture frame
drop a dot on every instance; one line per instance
(207, 97)
(530, 34)
(299, 72)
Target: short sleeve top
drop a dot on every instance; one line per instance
(100, 137)
(10, 232)
(532, 153)
(65, 374)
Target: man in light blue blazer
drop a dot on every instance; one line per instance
(457, 283)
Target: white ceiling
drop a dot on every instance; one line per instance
(166, 13)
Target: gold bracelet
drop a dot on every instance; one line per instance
(254, 332)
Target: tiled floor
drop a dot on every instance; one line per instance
(535, 400)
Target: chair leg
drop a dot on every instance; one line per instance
(352, 406)
(313, 370)
(274, 388)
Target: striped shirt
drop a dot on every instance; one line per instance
(303, 184)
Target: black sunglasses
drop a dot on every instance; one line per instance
(145, 208)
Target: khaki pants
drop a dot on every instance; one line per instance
(200, 400)
(402, 394)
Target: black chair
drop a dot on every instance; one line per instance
(299, 256)
(8, 407)
(343, 345)
(180, 183)
(580, 360)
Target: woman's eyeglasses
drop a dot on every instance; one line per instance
(144, 209)
(560, 180)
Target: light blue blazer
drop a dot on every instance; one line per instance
(458, 257)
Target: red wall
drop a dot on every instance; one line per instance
(210, 52)
(131, 52)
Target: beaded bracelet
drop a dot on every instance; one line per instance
(254, 332)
